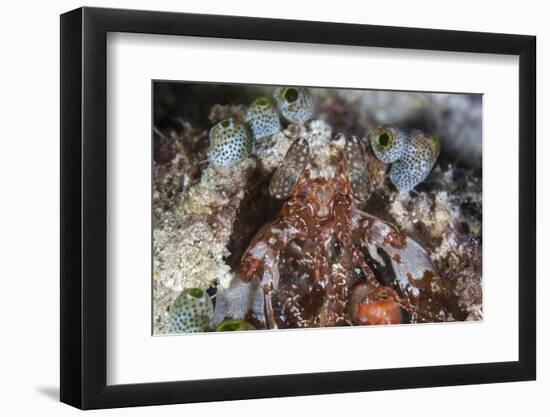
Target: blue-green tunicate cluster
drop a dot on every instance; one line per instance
(263, 119)
(412, 154)
(230, 142)
(295, 103)
(191, 312)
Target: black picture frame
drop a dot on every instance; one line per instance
(84, 207)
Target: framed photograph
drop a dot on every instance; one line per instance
(258, 208)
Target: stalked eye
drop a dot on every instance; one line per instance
(384, 139)
(356, 166)
(286, 176)
(291, 95)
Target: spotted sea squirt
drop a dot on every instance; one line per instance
(417, 161)
(263, 119)
(230, 142)
(388, 144)
(295, 103)
(191, 312)
(411, 153)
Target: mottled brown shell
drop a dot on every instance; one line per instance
(286, 176)
(356, 166)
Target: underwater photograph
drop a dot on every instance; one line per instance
(289, 207)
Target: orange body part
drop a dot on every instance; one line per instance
(379, 312)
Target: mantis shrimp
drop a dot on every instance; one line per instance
(322, 262)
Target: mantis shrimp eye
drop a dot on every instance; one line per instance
(294, 103)
(191, 312)
(262, 118)
(387, 144)
(286, 176)
(230, 142)
(356, 166)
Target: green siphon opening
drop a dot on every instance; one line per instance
(383, 140)
(226, 123)
(290, 95)
(261, 101)
(230, 326)
(437, 143)
(195, 292)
